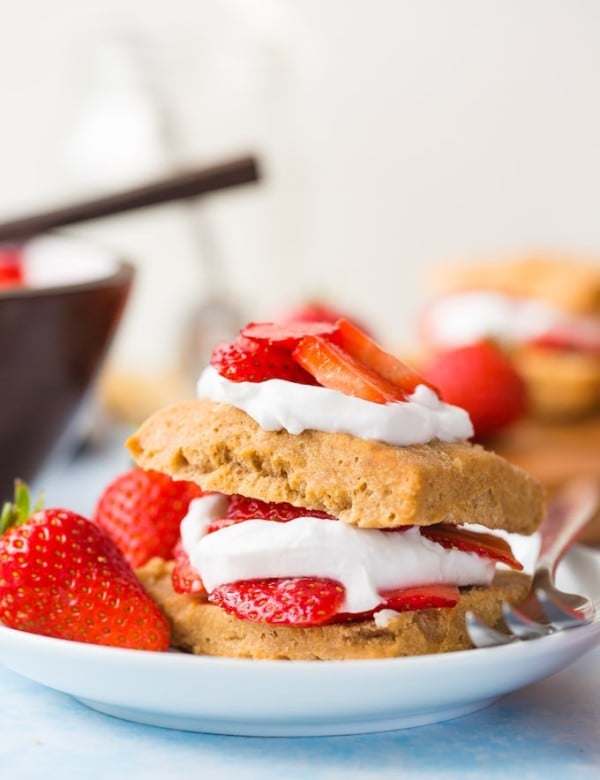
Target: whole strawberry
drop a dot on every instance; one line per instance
(62, 576)
(482, 380)
(142, 510)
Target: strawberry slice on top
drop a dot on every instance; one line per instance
(287, 334)
(362, 347)
(337, 369)
(339, 356)
(316, 310)
(249, 360)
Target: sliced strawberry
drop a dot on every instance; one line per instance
(247, 360)
(417, 597)
(358, 344)
(336, 355)
(485, 545)
(240, 509)
(243, 508)
(224, 522)
(286, 335)
(336, 369)
(185, 577)
(291, 601)
(317, 311)
(421, 597)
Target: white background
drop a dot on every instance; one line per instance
(394, 136)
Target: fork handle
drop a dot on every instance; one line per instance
(568, 513)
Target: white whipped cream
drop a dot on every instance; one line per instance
(464, 317)
(383, 617)
(364, 561)
(278, 404)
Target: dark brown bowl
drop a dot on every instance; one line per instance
(52, 344)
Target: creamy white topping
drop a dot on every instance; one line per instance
(461, 318)
(384, 616)
(365, 561)
(277, 404)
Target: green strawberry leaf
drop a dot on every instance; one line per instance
(18, 511)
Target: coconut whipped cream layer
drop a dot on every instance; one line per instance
(277, 404)
(365, 561)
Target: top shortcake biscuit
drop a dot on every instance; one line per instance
(365, 483)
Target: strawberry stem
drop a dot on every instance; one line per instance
(18, 511)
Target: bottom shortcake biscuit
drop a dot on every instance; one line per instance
(204, 629)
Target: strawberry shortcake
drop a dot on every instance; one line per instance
(338, 508)
(543, 309)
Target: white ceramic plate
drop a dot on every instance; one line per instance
(300, 698)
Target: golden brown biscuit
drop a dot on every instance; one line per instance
(562, 384)
(565, 282)
(365, 483)
(204, 629)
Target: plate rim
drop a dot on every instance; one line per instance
(377, 680)
(89, 648)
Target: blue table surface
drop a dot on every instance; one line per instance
(550, 729)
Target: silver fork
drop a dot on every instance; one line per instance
(546, 609)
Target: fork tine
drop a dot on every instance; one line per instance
(522, 626)
(560, 614)
(483, 635)
(567, 515)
